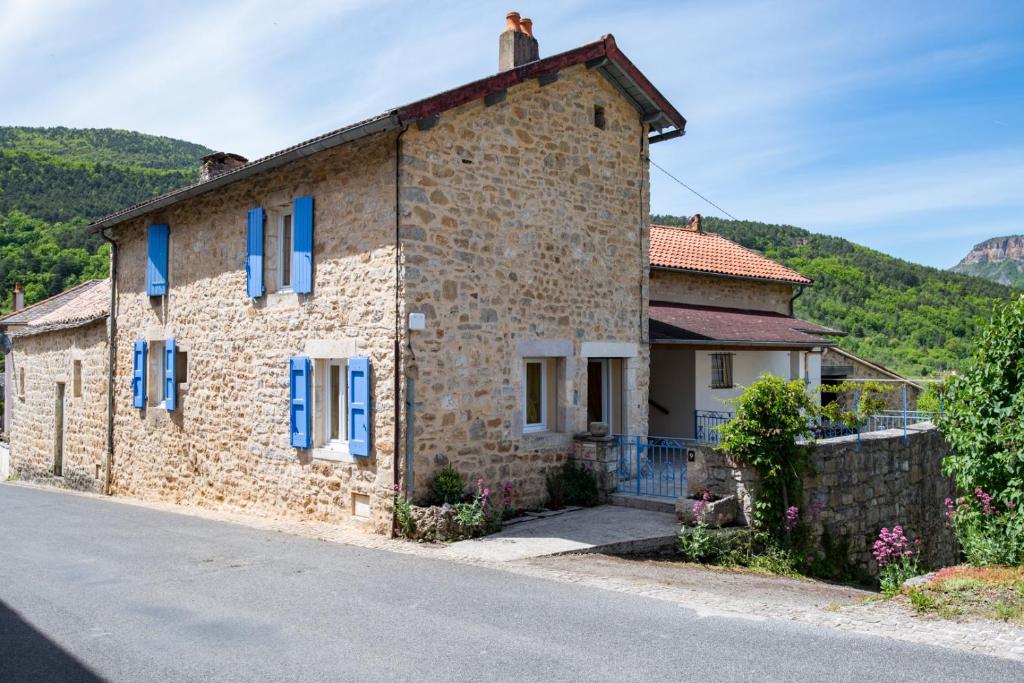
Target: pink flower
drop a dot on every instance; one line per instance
(792, 516)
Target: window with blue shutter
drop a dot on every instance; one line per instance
(302, 245)
(299, 374)
(170, 377)
(359, 406)
(139, 374)
(254, 253)
(156, 262)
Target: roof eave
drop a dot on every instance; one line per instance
(728, 343)
(750, 278)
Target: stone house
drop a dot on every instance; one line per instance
(460, 280)
(721, 316)
(55, 386)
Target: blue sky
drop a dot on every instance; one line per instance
(897, 125)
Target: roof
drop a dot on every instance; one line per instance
(73, 307)
(692, 249)
(881, 369)
(603, 55)
(700, 325)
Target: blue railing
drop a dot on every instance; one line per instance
(705, 423)
(652, 465)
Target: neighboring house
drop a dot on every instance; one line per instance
(56, 386)
(839, 365)
(461, 280)
(721, 315)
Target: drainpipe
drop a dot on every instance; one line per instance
(111, 355)
(398, 320)
(796, 296)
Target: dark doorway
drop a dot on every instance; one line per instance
(58, 434)
(597, 390)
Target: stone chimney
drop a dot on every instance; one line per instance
(219, 163)
(19, 297)
(516, 45)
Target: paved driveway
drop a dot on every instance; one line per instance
(94, 589)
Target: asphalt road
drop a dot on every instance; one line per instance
(91, 589)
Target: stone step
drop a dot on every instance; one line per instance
(652, 503)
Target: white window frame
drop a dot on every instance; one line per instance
(282, 258)
(322, 405)
(156, 380)
(543, 425)
(727, 381)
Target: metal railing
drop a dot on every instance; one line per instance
(705, 423)
(652, 465)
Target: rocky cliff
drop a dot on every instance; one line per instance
(1000, 259)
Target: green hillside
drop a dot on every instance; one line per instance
(913, 318)
(53, 181)
(1010, 271)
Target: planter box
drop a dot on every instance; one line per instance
(721, 512)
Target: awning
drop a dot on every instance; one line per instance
(709, 325)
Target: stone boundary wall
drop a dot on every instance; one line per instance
(853, 494)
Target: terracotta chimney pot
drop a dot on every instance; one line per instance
(527, 26)
(512, 21)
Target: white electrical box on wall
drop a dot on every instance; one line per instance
(417, 321)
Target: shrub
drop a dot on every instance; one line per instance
(981, 423)
(987, 535)
(447, 486)
(404, 520)
(571, 485)
(896, 557)
(477, 516)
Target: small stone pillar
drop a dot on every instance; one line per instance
(597, 451)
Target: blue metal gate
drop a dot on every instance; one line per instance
(653, 465)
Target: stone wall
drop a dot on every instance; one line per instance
(854, 494)
(47, 359)
(227, 444)
(524, 233)
(716, 290)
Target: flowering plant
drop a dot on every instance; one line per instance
(897, 558)
(989, 533)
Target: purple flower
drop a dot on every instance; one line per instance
(792, 516)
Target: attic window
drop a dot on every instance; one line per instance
(599, 119)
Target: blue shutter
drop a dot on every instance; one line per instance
(299, 371)
(302, 245)
(170, 380)
(139, 374)
(359, 406)
(254, 254)
(156, 263)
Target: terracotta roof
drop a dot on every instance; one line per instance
(683, 323)
(73, 307)
(603, 55)
(705, 252)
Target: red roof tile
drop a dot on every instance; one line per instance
(698, 324)
(705, 252)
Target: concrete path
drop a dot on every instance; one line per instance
(607, 528)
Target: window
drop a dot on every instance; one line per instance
(284, 254)
(76, 379)
(537, 395)
(279, 247)
(604, 392)
(331, 377)
(181, 366)
(21, 383)
(721, 371)
(599, 118)
(156, 355)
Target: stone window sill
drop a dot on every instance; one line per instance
(334, 454)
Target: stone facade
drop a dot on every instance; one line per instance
(854, 494)
(227, 444)
(40, 362)
(718, 290)
(525, 233)
(522, 232)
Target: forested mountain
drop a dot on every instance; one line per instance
(53, 181)
(1000, 259)
(915, 319)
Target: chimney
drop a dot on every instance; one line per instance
(516, 45)
(19, 297)
(694, 223)
(219, 163)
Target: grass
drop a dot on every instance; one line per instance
(962, 593)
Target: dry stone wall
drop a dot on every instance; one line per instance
(524, 232)
(47, 359)
(854, 494)
(227, 444)
(713, 290)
